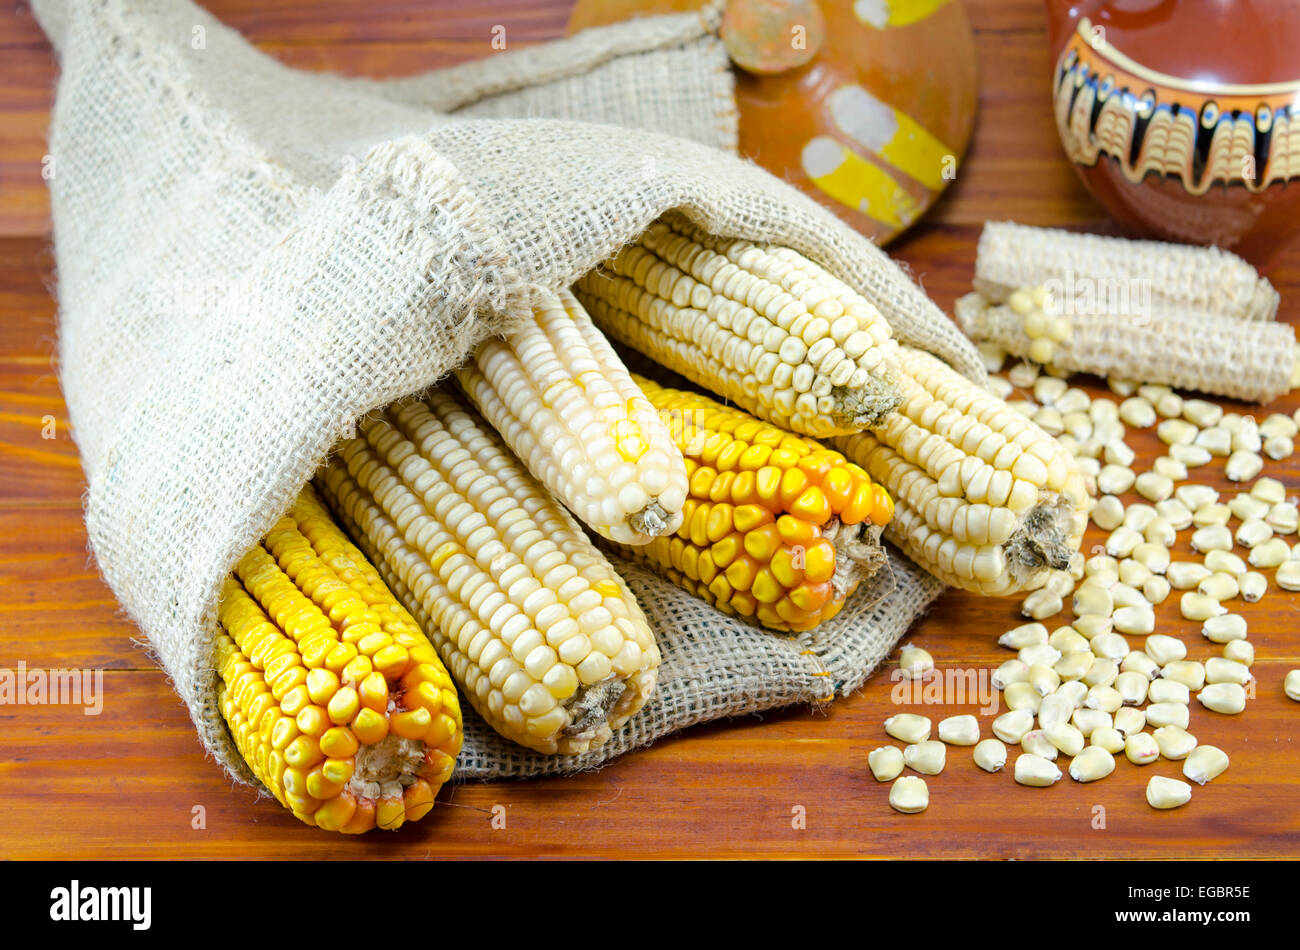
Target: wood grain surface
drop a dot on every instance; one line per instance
(133, 781)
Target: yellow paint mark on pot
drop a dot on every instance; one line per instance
(890, 133)
(853, 181)
(883, 14)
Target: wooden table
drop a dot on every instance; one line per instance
(134, 781)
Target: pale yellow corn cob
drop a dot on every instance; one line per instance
(983, 498)
(762, 326)
(545, 639)
(565, 403)
(1254, 360)
(1175, 276)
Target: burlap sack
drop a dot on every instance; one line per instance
(251, 257)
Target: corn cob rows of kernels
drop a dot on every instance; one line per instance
(543, 636)
(762, 326)
(777, 529)
(565, 404)
(334, 697)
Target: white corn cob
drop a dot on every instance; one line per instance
(984, 499)
(545, 639)
(566, 405)
(1178, 276)
(762, 326)
(1253, 360)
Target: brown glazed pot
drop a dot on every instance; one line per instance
(869, 112)
(1182, 117)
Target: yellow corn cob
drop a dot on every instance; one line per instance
(334, 697)
(762, 326)
(985, 500)
(564, 402)
(777, 528)
(545, 639)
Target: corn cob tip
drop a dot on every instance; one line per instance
(866, 405)
(1043, 540)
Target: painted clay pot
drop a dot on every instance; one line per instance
(866, 106)
(1183, 116)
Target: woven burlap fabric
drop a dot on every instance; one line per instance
(250, 258)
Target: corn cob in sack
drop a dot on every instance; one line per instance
(251, 259)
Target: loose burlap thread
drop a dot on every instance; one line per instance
(251, 257)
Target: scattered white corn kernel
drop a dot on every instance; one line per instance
(1174, 742)
(1122, 387)
(1012, 726)
(1089, 720)
(909, 795)
(1225, 562)
(1288, 575)
(1139, 662)
(1091, 764)
(928, 757)
(1072, 691)
(1126, 596)
(1115, 479)
(1169, 405)
(1224, 628)
(1245, 507)
(1156, 589)
(1213, 537)
(1167, 714)
(993, 357)
(1044, 679)
(1023, 406)
(1196, 606)
(1167, 691)
(1140, 748)
(1279, 447)
(1025, 635)
(1195, 496)
(1077, 425)
(990, 755)
(1283, 518)
(1091, 625)
(1173, 511)
(908, 727)
(1221, 670)
(1054, 708)
(1291, 685)
(1240, 651)
(1012, 671)
(1271, 553)
(1129, 720)
(1035, 743)
(1226, 698)
(1153, 391)
(1219, 585)
(1107, 513)
(1159, 533)
(1193, 456)
(1118, 453)
(1278, 424)
(1105, 698)
(1047, 388)
(1034, 770)
(1170, 468)
(1205, 763)
(1110, 646)
(1041, 603)
(1132, 688)
(914, 662)
(1104, 432)
(1040, 655)
(1133, 572)
(1108, 738)
(1154, 486)
(1269, 490)
(1165, 649)
(1184, 575)
(1215, 440)
(1065, 737)
(1088, 467)
(1090, 599)
(1023, 374)
(1067, 640)
(1191, 673)
(1253, 531)
(1247, 439)
(1242, 466)
(886, 763)
(1231, 421)
(1202, 412)
(1135, 620)
(1102, 673)
(1211, 514)
(1049, 420)
(1060, 583)
(1167, 792)
(1103, 410)
(1176, 432)
(1074, 664)
(1137, 412)
(1022, 696)
(1100, 563)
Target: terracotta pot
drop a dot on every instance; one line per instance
(866, 106)
(1183, 116)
